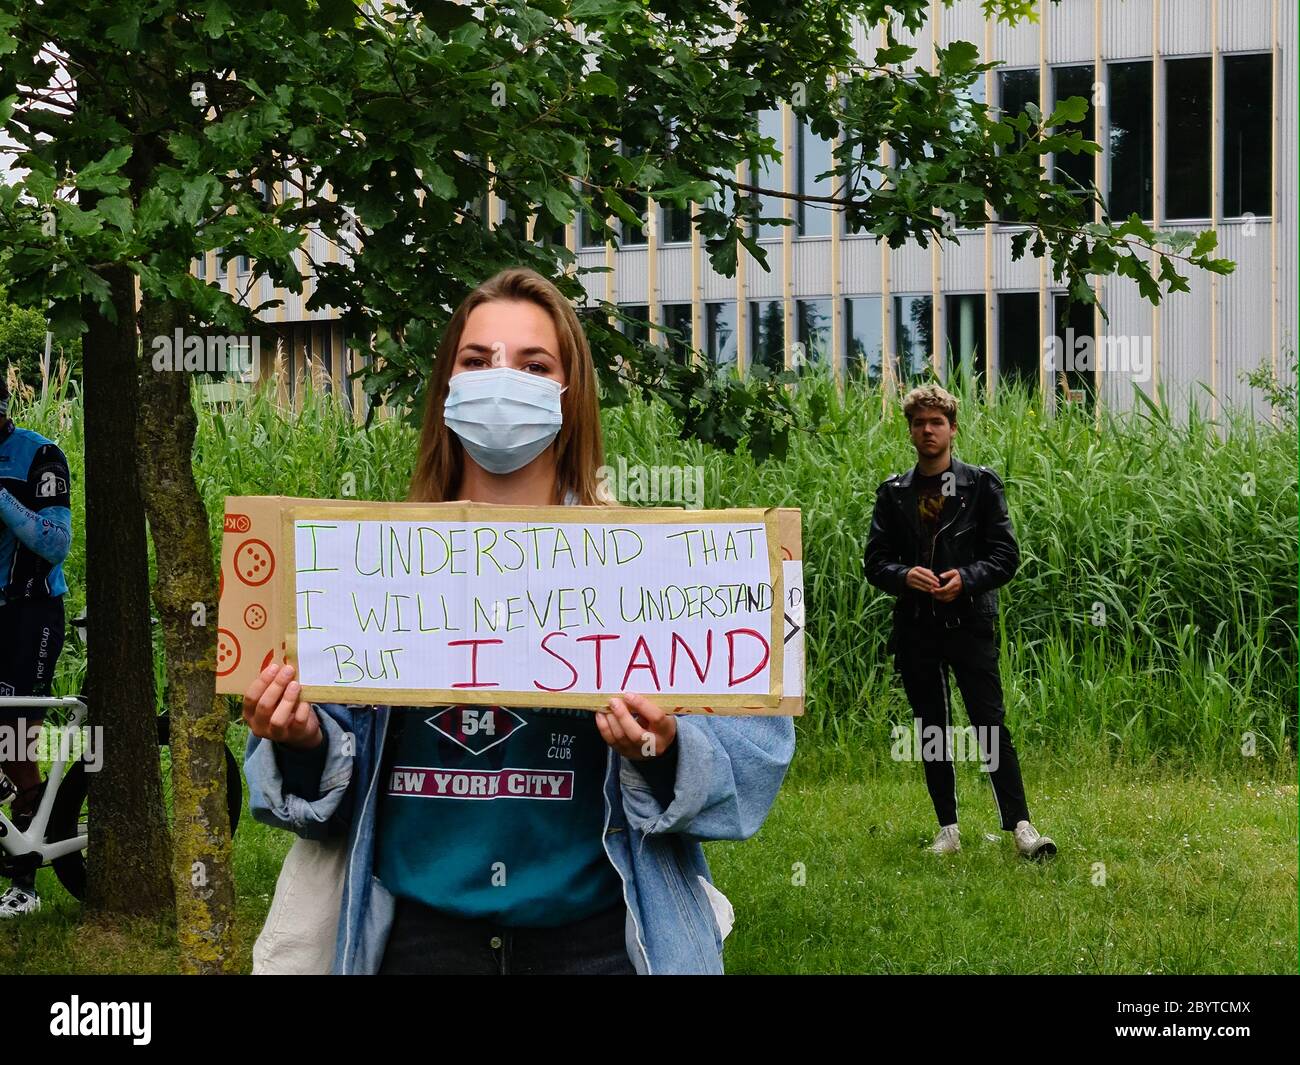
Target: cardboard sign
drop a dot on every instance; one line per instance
(434, 604)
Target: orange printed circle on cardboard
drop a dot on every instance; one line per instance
(254, 562)
(227, 652)
(255, 616)
(267, 660)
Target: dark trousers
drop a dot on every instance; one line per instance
(425, 942)
(924, 654)
(31, 637)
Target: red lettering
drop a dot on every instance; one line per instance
(708, 657)
(596, 639)
(547, 687)
(732, 679)
(473, 682)
(633, 664)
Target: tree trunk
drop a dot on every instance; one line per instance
(128, 850)
(185, 593)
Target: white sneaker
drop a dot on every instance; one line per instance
(947, 841)
(1031, 843)
(17, 901)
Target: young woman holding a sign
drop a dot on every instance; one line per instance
(590, 861)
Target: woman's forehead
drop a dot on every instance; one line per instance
(512, 324)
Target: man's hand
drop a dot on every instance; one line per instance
(643, 731)
(273, 710)
(921, 579)
(952, 589)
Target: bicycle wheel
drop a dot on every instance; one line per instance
(69, 816)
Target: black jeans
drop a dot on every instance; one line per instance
(424, 942)
(925, 654)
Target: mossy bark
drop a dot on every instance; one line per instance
(185, 594)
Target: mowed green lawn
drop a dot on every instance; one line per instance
(1157, 872)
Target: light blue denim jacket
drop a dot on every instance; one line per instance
(728, 772)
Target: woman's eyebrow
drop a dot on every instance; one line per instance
(524, 351)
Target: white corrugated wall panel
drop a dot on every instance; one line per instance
(1245, 25)
(812, 266)
(631, 283)
(964, 21)
(920, 40)
(1126, 29)
(1069, 31)
(1130, 318)
(962, 264)
(593, 284)
(862, 38)
(1244, 324)
(859, 266)
(1184, 27)
(764, 284)
(910, 269)
(1012, 274)
(715, 285)
(673, 275)
(1017, 45)
(1185, 344)
(1286, 188)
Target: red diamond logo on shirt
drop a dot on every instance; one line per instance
(476, 728)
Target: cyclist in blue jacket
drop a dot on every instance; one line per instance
(35, 534)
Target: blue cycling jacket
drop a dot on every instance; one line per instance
(35, 515)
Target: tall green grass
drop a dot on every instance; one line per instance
(1185, 532)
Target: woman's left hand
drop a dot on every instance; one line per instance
(636, 728)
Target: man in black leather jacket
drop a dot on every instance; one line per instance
(941, 541)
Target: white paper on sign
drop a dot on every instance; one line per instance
(590, 607)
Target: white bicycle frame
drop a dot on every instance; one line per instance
(33, 840)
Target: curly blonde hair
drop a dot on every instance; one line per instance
(934, 396)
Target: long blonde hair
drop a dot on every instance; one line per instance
(580, 451)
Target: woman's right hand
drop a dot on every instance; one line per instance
(273, 710)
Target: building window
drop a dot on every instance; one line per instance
(814, 155)
(964, 362)
(1069, 169)
(767, 334)
(678, 316)
(1074, 326)
(1247, 134)
(1187, 138)
(509, 220)
(637, 330)
(1016, 89)
(865, 347)
(913, 335)
(1019, 346)
(720, 333)
(242, 265)
(1129, 186)
(813, 331)
(201, 266)
(630, 234)
(556, 237)
(769, 174)
(675, 224)
(588, 237)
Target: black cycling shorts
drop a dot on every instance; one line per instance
(31, 637)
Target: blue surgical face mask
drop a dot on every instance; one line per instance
(504, 417)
